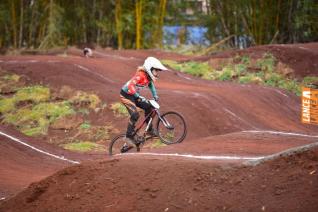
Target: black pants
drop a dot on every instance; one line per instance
(131, 103)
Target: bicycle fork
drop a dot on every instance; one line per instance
(165, 122)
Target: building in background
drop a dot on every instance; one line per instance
(191, 31)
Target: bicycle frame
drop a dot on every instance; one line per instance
(151, 115)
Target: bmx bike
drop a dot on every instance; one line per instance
(170, 128)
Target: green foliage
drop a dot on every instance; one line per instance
(53, 37)
(6, 105)
(84, 146)
(250, 78)
(273, 79)
(238, 71)
(51, 23)
(83, 99)
(310, 79)
(290, 85)
(267, 62)
(11, 77)
(36, 120)
(226, 74)
(119, 109)
(85, 125)
(32, 93)
(194, 68)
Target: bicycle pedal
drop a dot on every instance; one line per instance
(126, 148)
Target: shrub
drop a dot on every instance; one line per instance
(240, 69)
(309, 79)
(36, 120)
(85, 125)
(291, 85)
(267, 62)
(197, 69)
(226, 74)
(33, 93)
(272, 79)
(83, 99)
(6, 105)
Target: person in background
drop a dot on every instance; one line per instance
(87, 52)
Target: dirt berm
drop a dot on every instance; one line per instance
(289, 183)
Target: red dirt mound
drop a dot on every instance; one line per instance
(288, 183)
(302, 58)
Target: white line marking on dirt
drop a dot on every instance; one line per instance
(38, 150)
(53, 61)
(278, 91)
(184, 77)
(12, 61)
(280, 133)
(304, 48)
(205, 157)
(2, 198)
(114, 56)
(236, 116)
(92, 72)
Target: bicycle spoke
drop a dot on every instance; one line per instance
(171, 128)
(121, 145)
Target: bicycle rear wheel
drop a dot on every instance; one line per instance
(120, 144)
(174, 129)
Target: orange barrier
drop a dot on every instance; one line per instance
(309, 106)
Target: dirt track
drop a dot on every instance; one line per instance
(210, 108)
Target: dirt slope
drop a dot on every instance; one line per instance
(19, 166)
(301, 58)
(121, 184)
(210, 108)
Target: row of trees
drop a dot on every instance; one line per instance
(266, 21)
(139, 23)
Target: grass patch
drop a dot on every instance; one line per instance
(84, 146)
(119, 109)
(307, 81)
(83, 99)
(6, 105)
(157, 144)
(85, 125)
(263, 72)
(33, 93)
(267, 62)
(36, 120)
(11, 77)
(194, 68)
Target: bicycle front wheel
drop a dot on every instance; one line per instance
(171, 128)
(120, 144)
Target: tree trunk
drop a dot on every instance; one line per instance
(138, 23)
(118, 23)
(21, 24)
(14, 24)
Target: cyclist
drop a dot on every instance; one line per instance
(87, 52)
(130, 96)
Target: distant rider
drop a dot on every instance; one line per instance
(146, 75)
(87, 52)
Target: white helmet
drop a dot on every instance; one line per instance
(153, 63)
(88, 52)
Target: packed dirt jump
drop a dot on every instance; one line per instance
(228, 160)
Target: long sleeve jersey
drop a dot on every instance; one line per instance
(138, 82)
